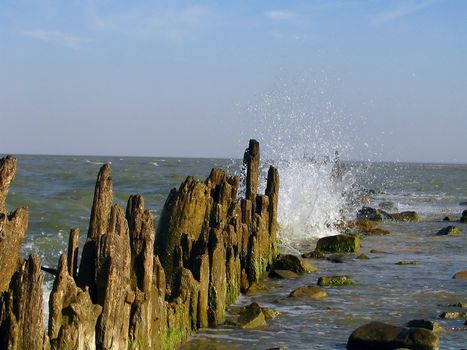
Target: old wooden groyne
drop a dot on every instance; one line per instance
(138, 287)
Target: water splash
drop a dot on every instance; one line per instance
(304, 135)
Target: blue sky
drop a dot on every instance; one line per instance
(199, 78)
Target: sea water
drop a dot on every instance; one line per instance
(59, 190)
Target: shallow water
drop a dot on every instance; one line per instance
(59, 191)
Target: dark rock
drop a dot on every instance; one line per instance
(309, 292)
(378, 335)
(427, 324)
(367, 213)
(449, 231)
(336, 258)
(461, 275)
(405, 262)
(328, 281)
(338, 244)
(463, 203)
(293, 263)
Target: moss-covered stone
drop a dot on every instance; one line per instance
(293, 263)
(309, 292)
(339, 244)
(314, 255)
(328, 281)
(362, 256)
(449, 231)
(409, 216)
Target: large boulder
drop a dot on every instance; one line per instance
(383, 336)
(461, 275)
(338, 244)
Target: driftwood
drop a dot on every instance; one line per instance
(137, 287)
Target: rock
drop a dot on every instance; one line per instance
(366, 225)
(378, 335)
(253, 317)
(461, 275)
(270, 314)
(464, 216)
(377, 232)
(367, 213)
(405, 262)
(7, 174)
(314, 255)
(283, 274)
(338, 244)
(362, 256)
(409, 216)
(309, 292)
(256, 287)
(453, 315)
(449, 231)
(293, 263)
(446, 218)
(463, 203)
(427, 324)
(328, 281)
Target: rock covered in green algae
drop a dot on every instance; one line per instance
(252, 317)
(409, 216)
(453, 315)
(339, 244)
(380, 336)
(363, 256)
(309, 292)
(293, 263)
(328, 281)
(449, 231)
(366, 225)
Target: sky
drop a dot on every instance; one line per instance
(384, 80)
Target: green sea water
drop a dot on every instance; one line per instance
(59, 189)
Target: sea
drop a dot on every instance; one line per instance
(59, 190)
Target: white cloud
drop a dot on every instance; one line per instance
(401, 11)
(57, 37)
(143, 21)
(280, 15)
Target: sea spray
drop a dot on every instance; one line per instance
(304, 135)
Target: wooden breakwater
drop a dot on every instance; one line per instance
(137, 287)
